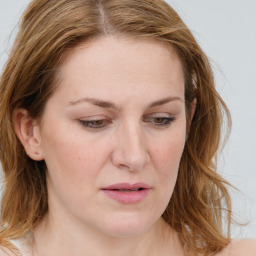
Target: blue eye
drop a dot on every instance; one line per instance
(160, 121)
(94, 124)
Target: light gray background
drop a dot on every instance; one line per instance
(226, 30)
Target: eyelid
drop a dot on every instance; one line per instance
(100, 122)
(159, 115)
(167, 119)
(94, 117)
(90, 122)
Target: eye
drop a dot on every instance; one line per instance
(95, 124)
(159, 120)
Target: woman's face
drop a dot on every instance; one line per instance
(113, 133)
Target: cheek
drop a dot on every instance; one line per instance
(166, 159)
(168, 153)
(73, 168)
(72, 159)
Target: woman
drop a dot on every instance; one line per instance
(110, 123)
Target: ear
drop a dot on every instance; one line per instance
(191, 113)
(194, 102)
(28, 132)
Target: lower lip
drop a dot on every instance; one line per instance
(127, 197)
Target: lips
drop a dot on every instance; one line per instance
(128, 186)
(126, 193)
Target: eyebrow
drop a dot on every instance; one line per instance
(111, 105)
(164, 101)
(96, 102)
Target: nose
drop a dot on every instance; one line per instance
(130, 148)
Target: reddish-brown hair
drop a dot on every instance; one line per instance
(49, 29)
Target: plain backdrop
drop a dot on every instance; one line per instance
(226, 30)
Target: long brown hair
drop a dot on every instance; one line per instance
(50, 29)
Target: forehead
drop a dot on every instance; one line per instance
(121, 65)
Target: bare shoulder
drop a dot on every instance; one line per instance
(5, 252)
(245, 247)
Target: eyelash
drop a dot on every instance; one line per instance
(165, 121)
(102, 123)
(92, 124)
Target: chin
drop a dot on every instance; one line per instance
(128, 225)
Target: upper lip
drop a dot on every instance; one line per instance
(127, 186)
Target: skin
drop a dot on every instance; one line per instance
(139, 137)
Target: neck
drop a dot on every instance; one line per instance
(53, 238)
